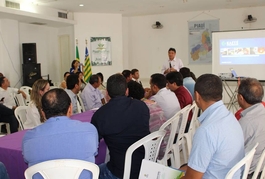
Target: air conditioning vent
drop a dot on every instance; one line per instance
(13, 5)
(62, 15)
(38, 23)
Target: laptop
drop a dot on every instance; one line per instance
(234, 75)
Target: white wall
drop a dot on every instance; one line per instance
(147, 47)
(101, 25)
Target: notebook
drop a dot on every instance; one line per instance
(152, 170)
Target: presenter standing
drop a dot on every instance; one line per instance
(173, 63)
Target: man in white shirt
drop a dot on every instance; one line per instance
(165, 98)
(73, 84)
(173, 63)
(7, 94)
(91, 96)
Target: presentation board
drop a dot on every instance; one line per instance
(243, 51)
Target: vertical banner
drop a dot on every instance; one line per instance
(200, 40)
(100, 51)
(88, 70)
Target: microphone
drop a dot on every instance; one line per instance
(170, 65)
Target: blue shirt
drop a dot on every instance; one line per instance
(91, 97)
(60, 138)
(218, 143)
(189, 83)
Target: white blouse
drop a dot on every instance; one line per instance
(33, 117)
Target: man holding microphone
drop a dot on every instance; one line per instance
(173, 63)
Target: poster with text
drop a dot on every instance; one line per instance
(200, 40)
(100, 51)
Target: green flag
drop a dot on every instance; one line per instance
(77, 53)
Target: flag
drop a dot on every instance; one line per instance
(77, 53)
(88, 70)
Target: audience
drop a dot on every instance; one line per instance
(165, 98)
(3, 172)
(121, 122)
(101, 87)
(127, 75)
(188, 82)
(173, 63)
(63, 83)
(34, 116)
(60, 137)
(7, 94)
(7, 116)
(136, 76)
(252, 121)
(91, 96)
(218, 144)
(73, 87)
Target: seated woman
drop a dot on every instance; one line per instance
(81, 77)
(101, 87)
(34, 115)
(63, 84)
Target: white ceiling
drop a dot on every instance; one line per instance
(144, 7)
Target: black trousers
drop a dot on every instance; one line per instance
(7, 115)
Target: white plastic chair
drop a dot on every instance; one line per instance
(257, 170)
(246, 161)
(20, 100)
(189, 135)
(177, 125)
(151, 145)
(7, 127)
(62, 168)
(81, 102)
(27, 90)
(20, 113)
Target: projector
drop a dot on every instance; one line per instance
(225, 75)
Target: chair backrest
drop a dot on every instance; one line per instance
(80, 102)
(7, 127)
(259, 165)
(62, 168)
(170, 125)
(194, 119)
(151, 145)
(20, 100)
(246, 161)
(27, 90)
(20, 113)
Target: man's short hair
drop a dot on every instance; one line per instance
(1, 74)
(101, 76)
(116, 85)
(126, 73)
(136, 90)
(175, 77)
(66, 73)
(185, 72)
(172, 49)
(159, 80)
(134, 71)
(2, 80)
(210, 87)
(94, 79)
(55, 102)
(251, 90)
(71, 81)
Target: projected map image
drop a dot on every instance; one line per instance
(242, 51)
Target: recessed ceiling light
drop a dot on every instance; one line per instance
(81, 5)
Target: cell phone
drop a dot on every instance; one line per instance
(2, 99)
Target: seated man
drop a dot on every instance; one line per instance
(127, 75)
(7, 94)
(7, 116)
(218, 144)
(165, 98)
(60, 137)
(73, 84)
(136, 76)
(91, 96)
(188, 82)
(121, 122)
(250, 94)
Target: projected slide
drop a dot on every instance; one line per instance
(242, 51)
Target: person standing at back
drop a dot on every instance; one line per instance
(121, 122)
(218, 144)
(173, 63)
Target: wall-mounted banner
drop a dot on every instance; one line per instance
(200, 40)
(100, 51)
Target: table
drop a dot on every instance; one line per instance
(11, 149)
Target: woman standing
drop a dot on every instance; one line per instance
(34, 115)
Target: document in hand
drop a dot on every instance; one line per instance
(152, 170)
